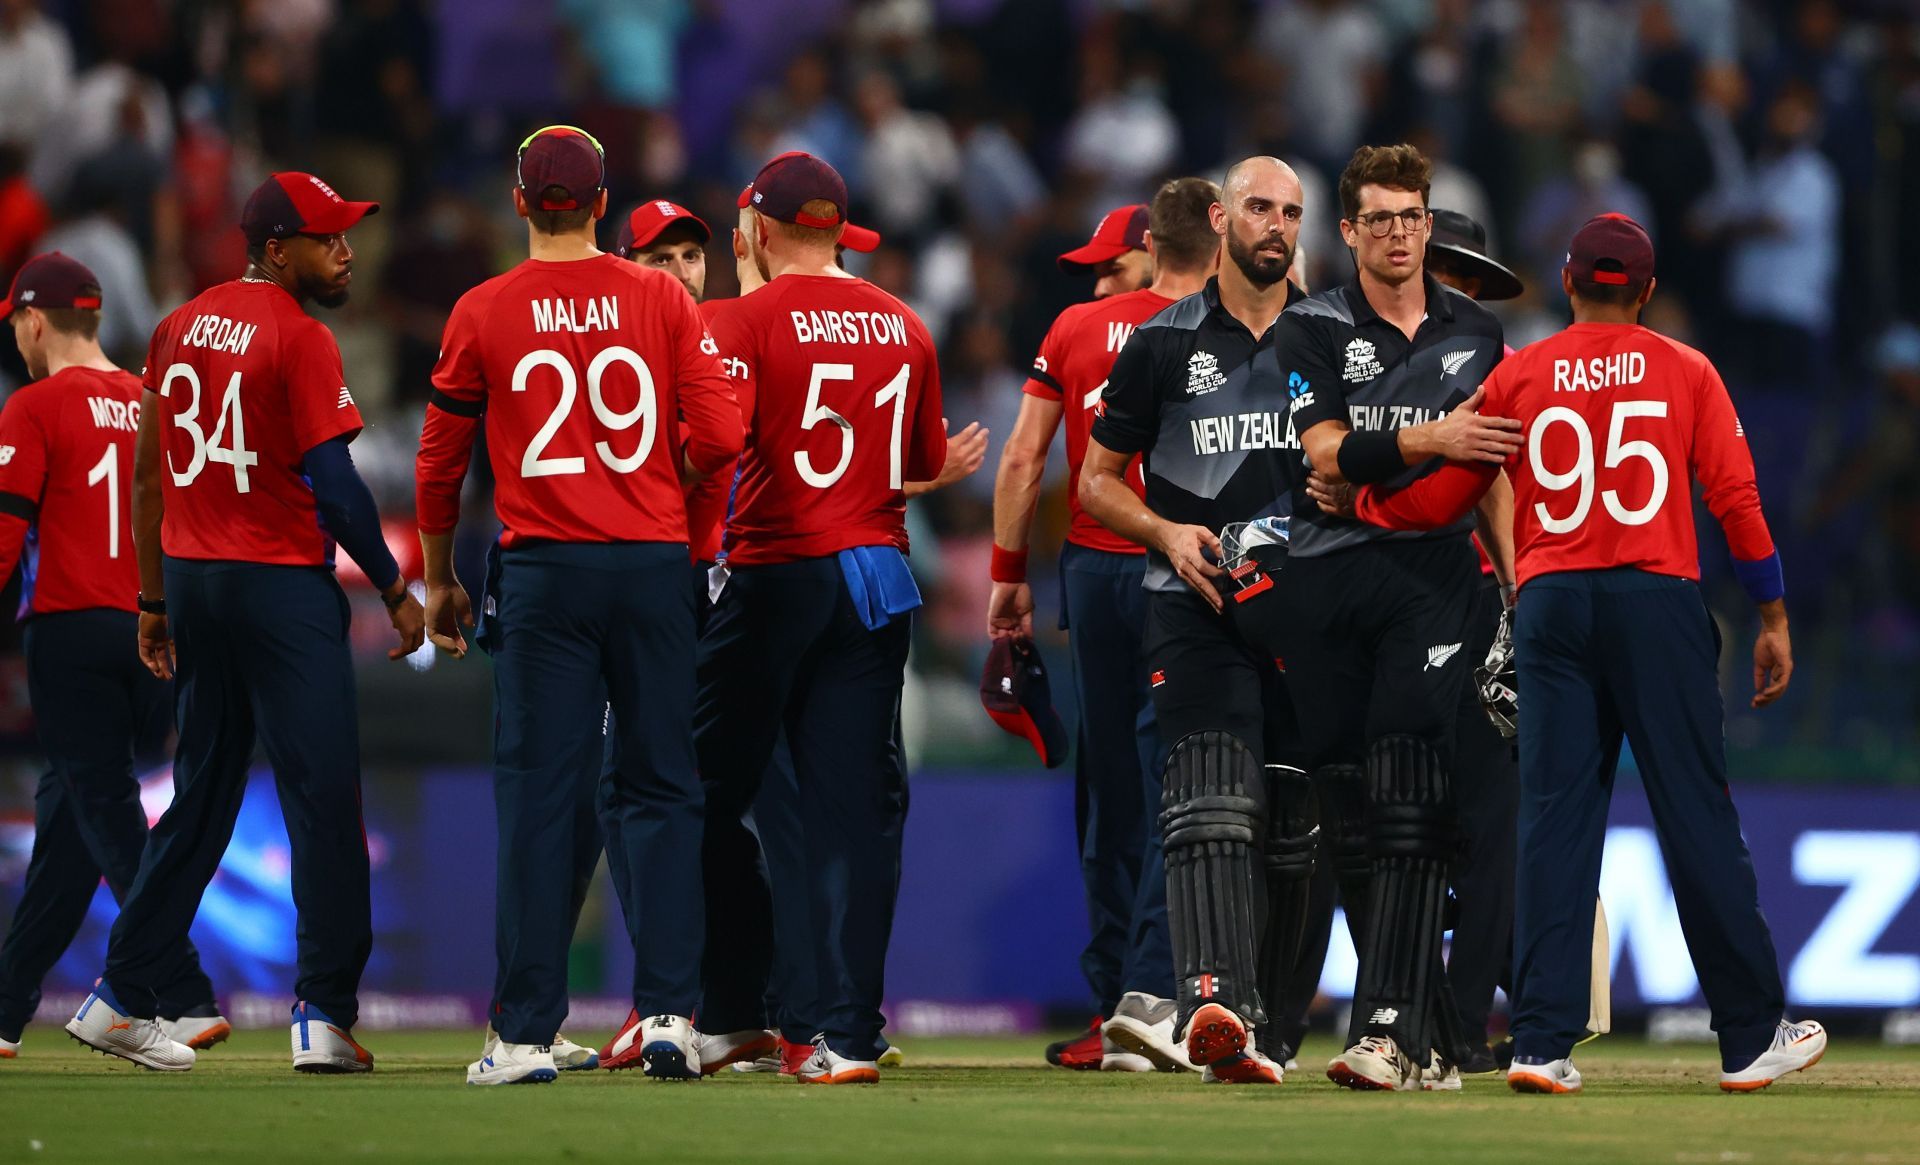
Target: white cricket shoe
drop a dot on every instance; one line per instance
(1375, 1064)
(514, 1064)
(102, 1026)
(198, 1032)
(9, 1049)
(567, 1055)
(893, 1057)
(1535, 1074)
(1114, 1058)
(1143, 1024)
(1439, 1075)
(668, 1048)
(323, 1046)
(827, 1067)
(721, 1049)
(1795, 1048)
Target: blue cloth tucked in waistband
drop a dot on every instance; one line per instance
(880, 584)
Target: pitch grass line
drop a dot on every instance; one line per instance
(957, 1100)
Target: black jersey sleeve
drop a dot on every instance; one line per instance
(1127, 419)
(1314, 393)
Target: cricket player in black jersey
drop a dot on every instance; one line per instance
(1198, 393)
(1376, 620)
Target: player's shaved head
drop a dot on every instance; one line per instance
(1259, 216)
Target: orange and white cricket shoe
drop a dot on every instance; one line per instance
(826, 1066)
(1795, 1048)
(1375, 1064)
(198, 1032)
(103, 1026)
(1214, 1034)
(1549, 1077)
(323, 1046)
(1249, 1067)
(9, 1049)
(721, 1049)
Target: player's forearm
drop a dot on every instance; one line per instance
(715, 433)
(1016, 495)
(348, 513)
(149, 506)
(1441, 498)
(436, 551)
(446, 445)
(1111, 501)
(1494, 522)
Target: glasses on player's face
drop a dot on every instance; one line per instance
(1379, 224)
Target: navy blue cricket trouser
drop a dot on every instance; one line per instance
(1602, 655)
(262, 655)
(99, 713)
(786, 649)
(582, 626)
(1116, 774)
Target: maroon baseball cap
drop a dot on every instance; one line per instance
(1015, 692)
(563, 156)
(792, 180)
(1611, 249)
(644, 223)
(52, 280)
(1124, 229)
(293, 203)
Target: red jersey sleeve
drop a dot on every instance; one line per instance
(1043, 379)
(453, 414)
(1442, 497)
(739, 358)
(23, 450)
(707, 400)
(1723, 466)
(318, 402)
(927, 450)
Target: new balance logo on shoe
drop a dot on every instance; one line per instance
(1386, 1014)
(1438, 656)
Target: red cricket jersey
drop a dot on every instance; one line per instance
(246, 383)
(842, 390)
(1620, 422)
(1073, 365)
(707, 497)
(583, 371)
(66, 456)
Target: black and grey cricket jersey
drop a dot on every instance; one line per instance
(1204, 402)
(1343, 362)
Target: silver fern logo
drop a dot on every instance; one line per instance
(1453, 362)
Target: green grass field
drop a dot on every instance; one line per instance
(956, 1100)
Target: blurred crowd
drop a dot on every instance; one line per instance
(1772, 147)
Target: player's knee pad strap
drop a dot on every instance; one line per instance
(1212, 818)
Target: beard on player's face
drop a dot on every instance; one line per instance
(1256, 258)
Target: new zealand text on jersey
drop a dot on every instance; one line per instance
(1385, 418)
(1238, 431)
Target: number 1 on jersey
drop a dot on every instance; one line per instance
(895, 390)
(108, 469)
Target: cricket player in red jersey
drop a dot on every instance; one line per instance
(66, 481)
(810, 633)
(1128, 961)
(1612, 641)
(242, 486)
(580, 363)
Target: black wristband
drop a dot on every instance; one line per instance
(393, 604)
(1369, 457)
(151, 606)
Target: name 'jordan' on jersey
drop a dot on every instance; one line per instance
(583, 371)
(66, 466)
(842, 388)
(1076, 358)
(246, 383)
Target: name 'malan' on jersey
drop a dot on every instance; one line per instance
(841, 388)
(596, 380)
(245, 383)
(1075, 361)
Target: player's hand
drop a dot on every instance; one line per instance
(1010, 611)
(1335, 498)
(1465, 435)
(1186, 547)
(966, 452)
(409, 619)
(156, 645)
(1772, 659)
(448, 610)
